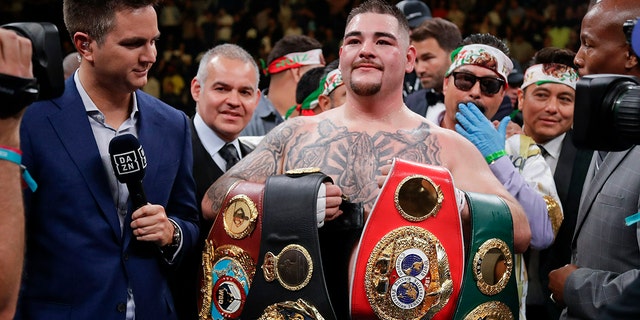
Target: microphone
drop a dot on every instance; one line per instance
(128, 162)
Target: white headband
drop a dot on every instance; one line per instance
(550, 72)
(481, 55)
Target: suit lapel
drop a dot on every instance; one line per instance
(150, 136)
(564, 169)
(205, 170)
(74, 130)
(593, 184)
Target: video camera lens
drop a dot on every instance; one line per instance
(607, 112)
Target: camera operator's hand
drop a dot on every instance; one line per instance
(15, 54)
(15, 60)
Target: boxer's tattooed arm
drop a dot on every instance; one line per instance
(264, 161)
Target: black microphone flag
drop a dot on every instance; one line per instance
(129, 162)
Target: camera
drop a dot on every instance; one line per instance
(607, 112)
(607, 106)
(17, 93)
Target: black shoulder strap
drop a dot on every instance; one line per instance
(290, 265)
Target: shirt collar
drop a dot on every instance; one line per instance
(91, 107)
(554, 145)
(209, 139)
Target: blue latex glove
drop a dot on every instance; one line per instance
(474, 125)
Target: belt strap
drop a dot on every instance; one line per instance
(489, 289)
(290, 260)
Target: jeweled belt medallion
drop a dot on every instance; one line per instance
(407, 275)
(292, 267)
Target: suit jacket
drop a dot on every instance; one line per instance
(79, 263)
(627, 307)
(606, 251)
(184, 283)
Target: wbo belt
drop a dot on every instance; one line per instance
(489, 290)
(290, 283)
(410, 260)
(231, 252)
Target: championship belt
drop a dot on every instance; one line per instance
(231, 252)
(410, 259)
(490, 290)
(289, 283)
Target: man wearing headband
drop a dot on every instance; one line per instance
(333, 91)
(327, 93)
(289, 59)
(474, 88)
(307, 92)
(546, 99)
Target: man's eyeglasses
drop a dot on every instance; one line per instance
(488, 85)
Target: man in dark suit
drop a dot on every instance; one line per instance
(547, 112)
(226, 94)
(416, 13)
(91, 252)
(605, 256)
(434, 41)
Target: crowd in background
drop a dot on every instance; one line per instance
(190, 27)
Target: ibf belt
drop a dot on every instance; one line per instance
(409, 261)
(289, 265)
(489, 290)
(231, 253)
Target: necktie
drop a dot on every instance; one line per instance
(230, 155)
(543, 151)
(434, 97)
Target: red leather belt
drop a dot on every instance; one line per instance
(231, 253)
(410, 260)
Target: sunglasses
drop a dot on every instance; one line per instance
(488, 85)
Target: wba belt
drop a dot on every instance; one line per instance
(489, 289)
(231, 253)
(290, 283)
(410, 259)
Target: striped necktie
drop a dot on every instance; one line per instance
(230, 155)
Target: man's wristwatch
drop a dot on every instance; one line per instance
(177, 236)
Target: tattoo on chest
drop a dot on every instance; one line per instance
(354, 158)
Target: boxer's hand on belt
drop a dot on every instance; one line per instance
(463, 207)
(384, 172)
(334, 198)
